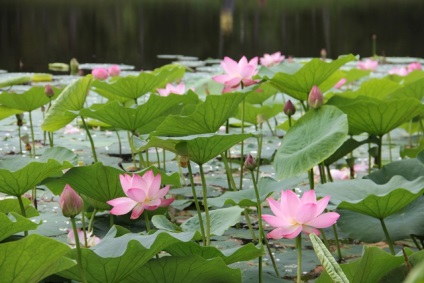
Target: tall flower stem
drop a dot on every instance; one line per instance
(78, 248)
(157, 157)
(380, 151)
(90, 138)
(147, 221)
(259, 156)
(91, 222)
(20, 140)
(299, 258)
(32, 135)
(205, 206)
(274, 264)
(388, 239)
(84, 230)
(242, 144)
(389, 138)
(311, 178)
(336, 236)
(196, 203)
(259, 204)
(21, 205)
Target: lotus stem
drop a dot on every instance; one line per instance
(299, 258)
(388, 239)
(164, 159)
(78, 248)
(119, 142)
(91, 222)
(20, 141)
(249, 224)
(389, 138)
(380, 151)
(51, 135)
(21, 205)
(259, 204)
(90, 138)
(311, 178)
(132, 149)
(205, 206)
(83, 229)
(336, 236)
(259, 156)
(32, 135)
(330, 178)
(290, 121)
(231, 182)
(274, 264)
(196, 203)
(147, 221)
(242, 145)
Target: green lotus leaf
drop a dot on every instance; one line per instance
(247, 197)
(199, 148)
(243, 253)
(61, 154)
(220, 220)
(314, 137)
(116, 258)
(252, 113)
(130, 118)
(375, 116)
(6, 112)
(30, 100)
(366, 197)
(16, 178)
(414, 89)
(12, 205)
(207, 118)
(33, 258)
(315, 72)
(371, 267)
(376, 88)
(71, 99)
(13, 223)
(133, 87)
(14, 79)
(189, 269)
(400, 225)
(261, 94)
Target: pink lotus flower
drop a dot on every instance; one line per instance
(91, 239)
(114, 70)
(100, 73)
(342, 174)
(294, 215)
(414, 67)
(237, 73)
(273, 59)
(170, 88)
(315, 98)
(70, 202)
(368, 64)
(142, 193)
(402, 71)
(340, 83)
(69, 129)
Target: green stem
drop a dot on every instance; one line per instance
(50, 134)
(259, 204)
(232, 183)
(242, 145)
(311, 178)
(20, 140)
(205, 206)
(32, 135)
(196, 203)
(84, 230)
(322, 173)
(259, 156)
(119, 142)
(290, 121)
(274, 264)
(270, 128)
(164, 159)
(336, 236)
(330, 178)
(78, 248)
(93, 150)
(111, 221)
(388, 239)
(380, 151)
(369, 158)
(147, 221)
(91, 222)
(324, 238)
(389, 138)
(157, 157)
(132, 149)
(249, 224)
(299, 258)
(21, 205)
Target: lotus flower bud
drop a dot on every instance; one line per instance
(74, 67)
(70, 202)
(100, 73)
(315, 98)
(323, 54)
(250, 162)
(114, 70)
(48, 90)
(289, 108)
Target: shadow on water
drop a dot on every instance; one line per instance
(37, 32)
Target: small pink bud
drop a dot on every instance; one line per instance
(114, 70)
(70, 202)
(289, 108)
(48, 90)
(250, 163)
(100, 73)
(315, 98)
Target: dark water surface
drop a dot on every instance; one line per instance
(34, 33)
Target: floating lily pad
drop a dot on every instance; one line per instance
(314, 137)
(9, 79)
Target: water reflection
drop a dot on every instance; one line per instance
(35, 33)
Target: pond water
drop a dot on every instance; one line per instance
(37, 32)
